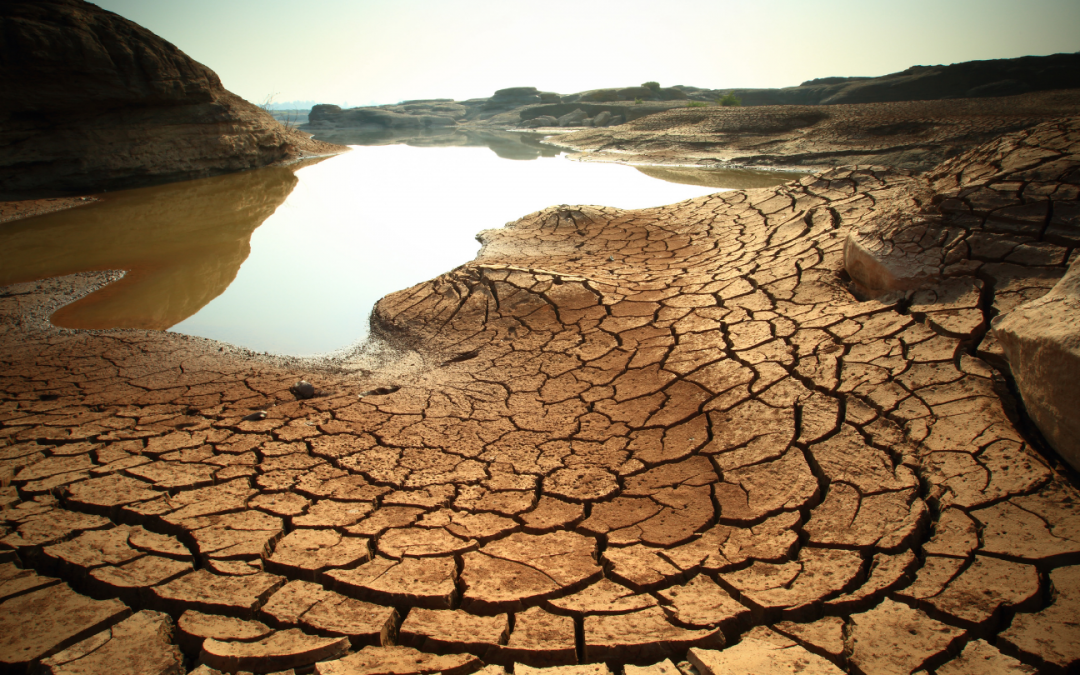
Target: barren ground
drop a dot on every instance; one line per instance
(671, 433)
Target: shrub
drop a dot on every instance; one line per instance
(730, 100)
(696, 104)
(638, 101)
(655, 86)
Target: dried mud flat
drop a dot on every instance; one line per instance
(640, 438)
(914, 135)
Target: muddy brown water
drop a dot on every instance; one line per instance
(291, 261)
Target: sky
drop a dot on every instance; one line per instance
(363, 52)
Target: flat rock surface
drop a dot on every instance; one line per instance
(630, 432)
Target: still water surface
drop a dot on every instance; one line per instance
(291, 261)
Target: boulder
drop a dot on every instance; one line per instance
(1042, 345)
(602, 119)
(95, 102)
(573, 119)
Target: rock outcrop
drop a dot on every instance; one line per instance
(1041, 341)
(915, 135)
(95, 102)
(995, 230)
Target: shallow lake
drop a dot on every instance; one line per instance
(292, 260)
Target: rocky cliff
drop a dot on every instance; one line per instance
(93, 101)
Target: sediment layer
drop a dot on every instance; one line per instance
(670, 433)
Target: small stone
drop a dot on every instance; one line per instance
(303, 389)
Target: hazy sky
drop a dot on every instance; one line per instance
(362, 51)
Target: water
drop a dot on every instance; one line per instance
(292, 261)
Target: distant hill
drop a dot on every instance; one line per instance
(971, 79)
(527, 107)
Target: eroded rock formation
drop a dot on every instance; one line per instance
(93, 102)
(914, 135)
(626, 437)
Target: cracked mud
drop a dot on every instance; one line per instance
(758, 431)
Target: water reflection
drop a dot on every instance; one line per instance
(730, 179)
(505, 144)
(325, 244)
(182, 245)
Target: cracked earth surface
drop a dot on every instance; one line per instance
(678, 435)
